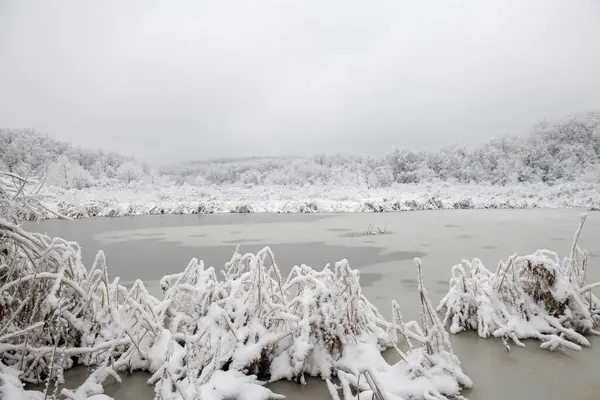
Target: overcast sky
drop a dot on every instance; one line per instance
(181, 80)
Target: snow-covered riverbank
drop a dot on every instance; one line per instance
(186, 199)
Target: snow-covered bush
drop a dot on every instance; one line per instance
(427, 371)
(242, 209)
(19, 199)
(130, 172)
(67, 174)
(313, 323)
(208, 337)
(529, 297)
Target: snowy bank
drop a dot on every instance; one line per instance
(187, 199)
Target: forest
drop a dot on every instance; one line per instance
(554, 151)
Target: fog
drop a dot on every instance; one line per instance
(173, 81)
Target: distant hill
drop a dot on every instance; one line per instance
(566, 149)
(553, 151)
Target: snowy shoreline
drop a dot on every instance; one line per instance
(130, 200)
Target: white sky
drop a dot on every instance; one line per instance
(180, 80)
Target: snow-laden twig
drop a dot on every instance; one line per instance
(428, 371)
(529, 297)
(20, 199)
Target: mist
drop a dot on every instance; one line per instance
(169, 82)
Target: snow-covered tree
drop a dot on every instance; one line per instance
(557, 151)
(67, 174)
(129, 172)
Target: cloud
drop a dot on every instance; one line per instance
(183, 80)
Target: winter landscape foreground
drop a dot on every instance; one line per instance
(209, 334)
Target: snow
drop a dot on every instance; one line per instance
(529, 297)
(418, 376)
(145, 199)
(222, 337)
(563, 150)
(209, 337)
(12, 389)
(556, 165)
(233, 384)
(163, 350)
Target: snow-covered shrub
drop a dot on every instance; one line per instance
(313, 323)
(242, 209)
(463, 204)
(309, 207)
(428, 368)
(370, 206)
(332, 314)
(18, 199)
(55, 313)
(68, 174)
(433, 203)
(260, 324)
(529, 297)
(251, 177)
(130, 172)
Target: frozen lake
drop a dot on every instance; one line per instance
(148, 247)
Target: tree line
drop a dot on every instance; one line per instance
(567, 149)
